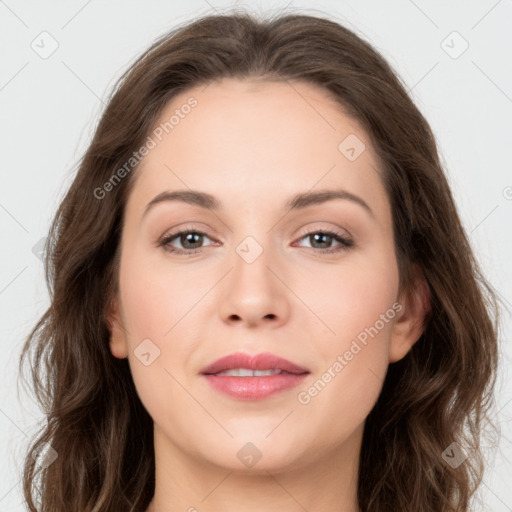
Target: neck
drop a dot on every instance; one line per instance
(325, 483)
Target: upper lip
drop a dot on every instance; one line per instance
(263, 361)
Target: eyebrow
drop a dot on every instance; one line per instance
(296, 202)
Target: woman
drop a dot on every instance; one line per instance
(202, 351)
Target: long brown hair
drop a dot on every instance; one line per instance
(439, 394)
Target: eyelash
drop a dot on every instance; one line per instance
(345, 243)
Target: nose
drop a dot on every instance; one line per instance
(255, 294)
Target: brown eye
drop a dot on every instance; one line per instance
(323, 240)
(190, 240)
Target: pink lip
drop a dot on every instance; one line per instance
(263, 361)
(253, 388)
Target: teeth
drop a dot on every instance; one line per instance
(246, 372)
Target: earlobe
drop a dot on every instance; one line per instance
(411, 321)
(118, 342)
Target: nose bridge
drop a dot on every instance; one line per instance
(252, 236)
(251, 264)
(254, 292)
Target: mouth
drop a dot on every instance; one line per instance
(247, 377)
(247, 372)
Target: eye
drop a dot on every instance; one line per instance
(191, 241)
(325, 238)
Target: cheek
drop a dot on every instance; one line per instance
(153, 300)
(349, 296)
(160, 307)
(347, 385)
(357, 306)
(151, 314)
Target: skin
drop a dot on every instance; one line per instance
(254, 144)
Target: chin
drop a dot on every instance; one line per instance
(253, 454)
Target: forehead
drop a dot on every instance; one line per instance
(254, 140)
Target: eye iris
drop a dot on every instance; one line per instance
(316, 235)
(186, 239)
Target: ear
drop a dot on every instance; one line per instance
(118, 343)
(410, 322)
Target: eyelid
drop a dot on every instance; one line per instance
(305, 230)
(313, 227)
(172, 232)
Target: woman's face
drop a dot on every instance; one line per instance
(269, 265)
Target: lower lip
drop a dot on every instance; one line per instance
(254, 388)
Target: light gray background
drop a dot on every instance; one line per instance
(51, 105)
